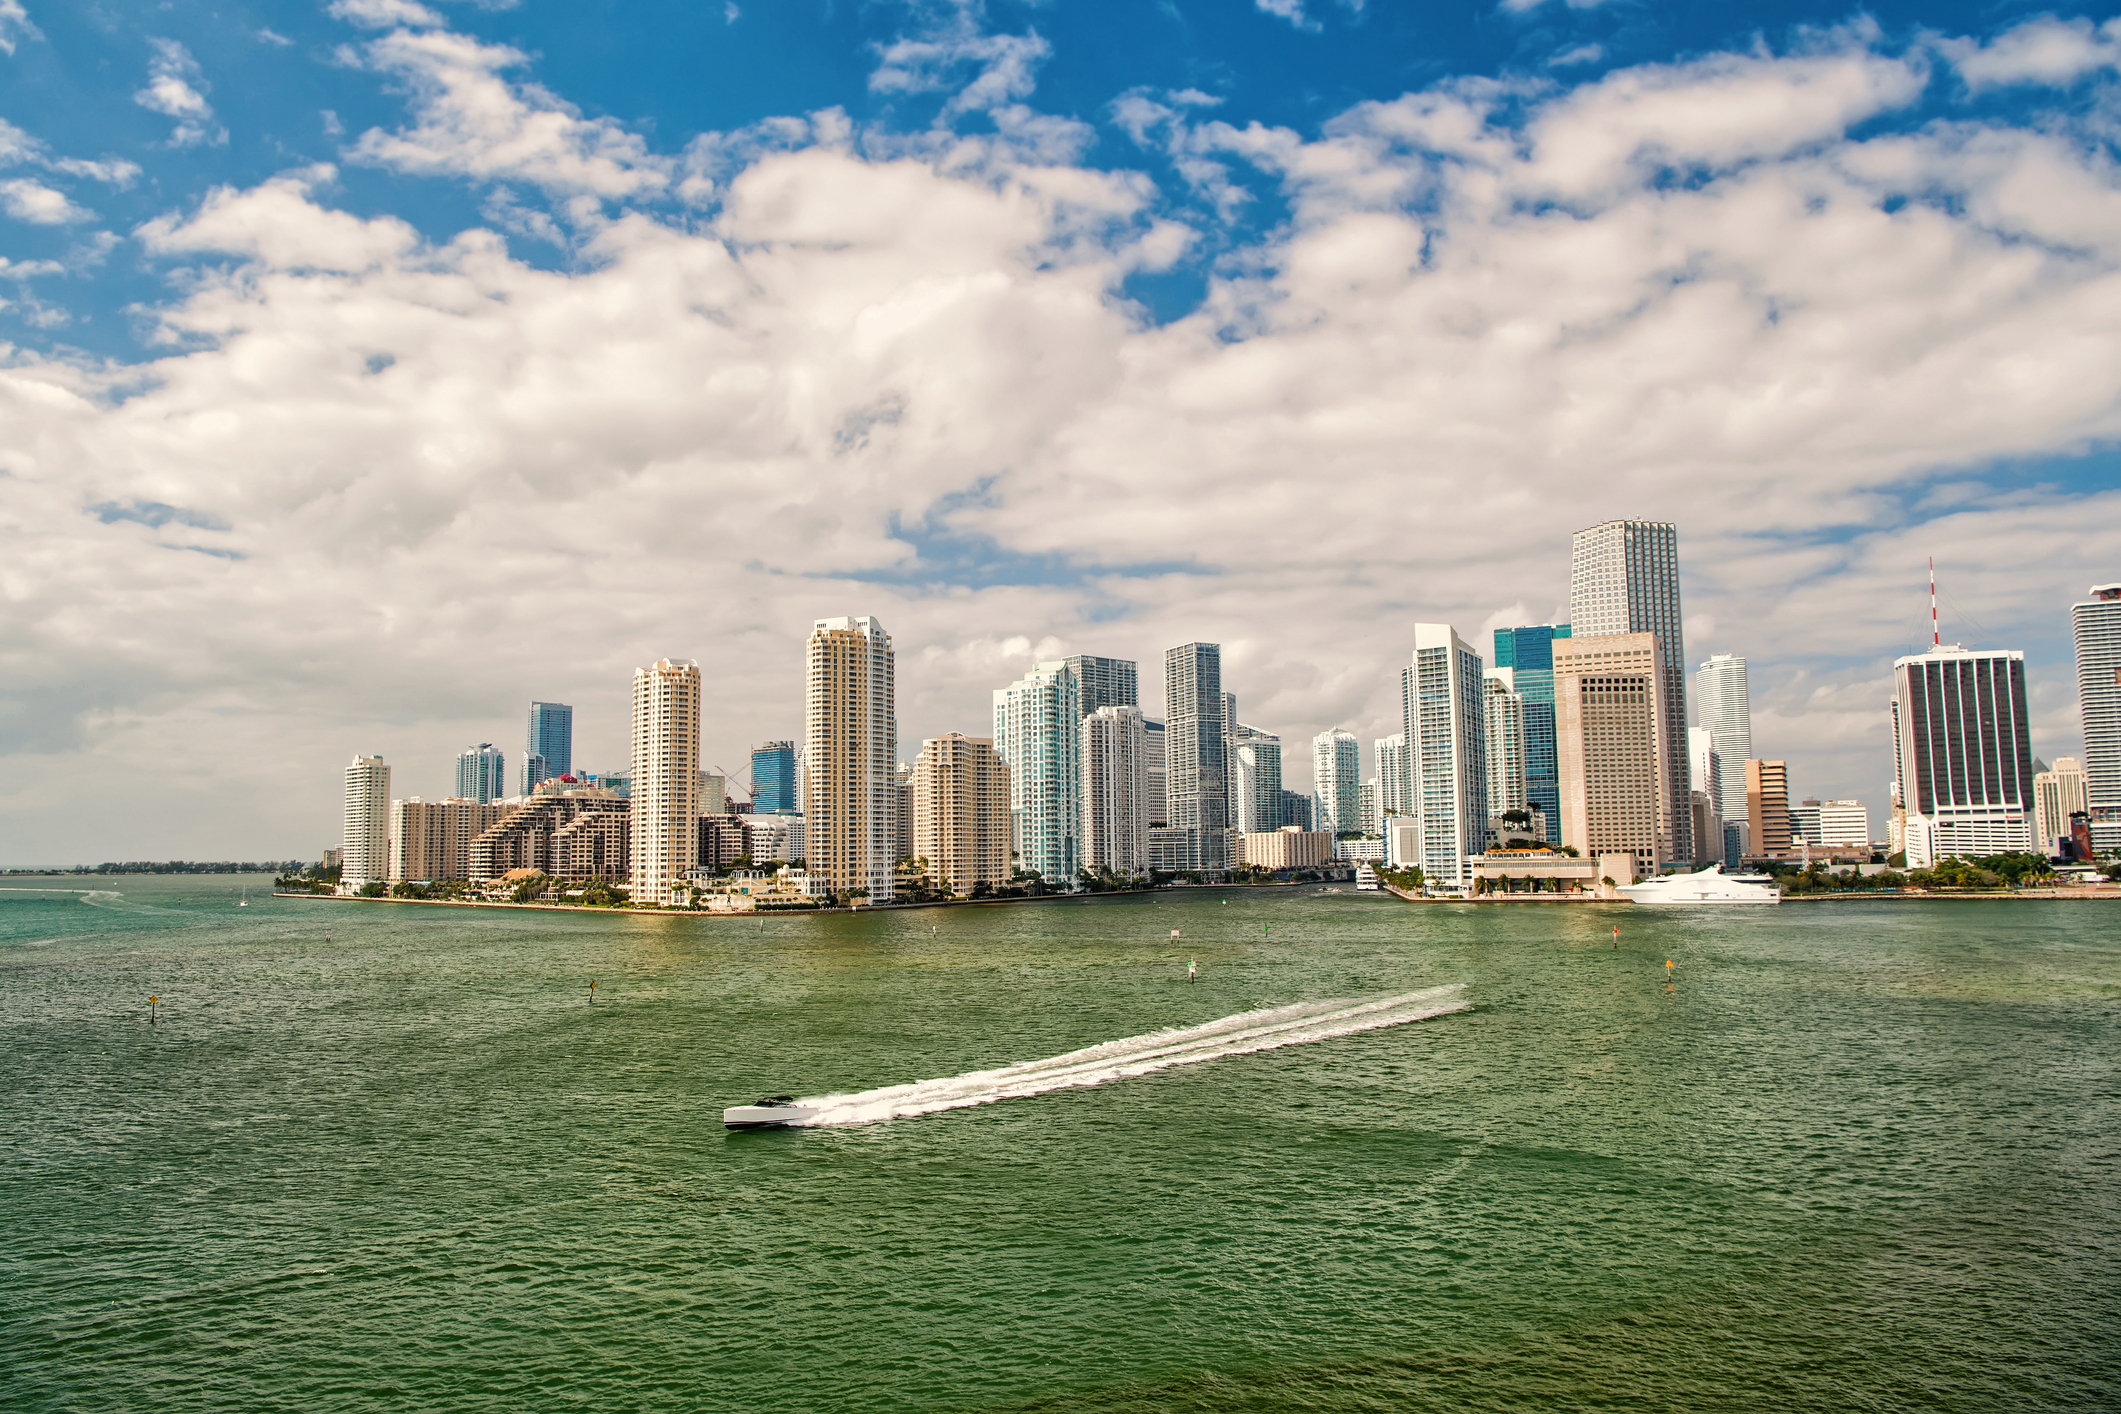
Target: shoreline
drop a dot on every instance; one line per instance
(630, 912)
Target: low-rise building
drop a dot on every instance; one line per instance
(724, 839)
(1543, 871)
(1288, 848)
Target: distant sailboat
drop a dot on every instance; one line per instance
(244, 902)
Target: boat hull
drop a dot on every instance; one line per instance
(764, 1116)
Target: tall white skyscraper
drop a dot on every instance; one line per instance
(665, 840)
(480, 773)
(1336, 778)
(1962, 753)
(850, 757)
(1115, 793)
(2096, 623)
(1393, 784)
(1624, 579)
(1255, 781)
(1038, 723)
(1505, 725)
(365, 840)
(1105, 682)
(1723, 705)
(1446, 730)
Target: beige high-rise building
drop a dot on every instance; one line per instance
(1767, 806)
(1612, 737)
(366, 838)
(1115, 756)
(850, 737)
(665, 793)
(2058, 793)
(961, 815)
(431, 839)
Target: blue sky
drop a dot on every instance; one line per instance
(373, 367)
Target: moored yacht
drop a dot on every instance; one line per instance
(1711, 885)
(773, 1112)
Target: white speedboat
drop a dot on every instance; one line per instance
(773, 1112)
(1711, 885)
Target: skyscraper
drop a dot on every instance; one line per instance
(1705, 772)
(665, 826)
(1158, 790)
(1115, 755)
(1255, 781)
(1104, 682)
(548, 744)
(1624, 579)
(1723, 704)
(1392, 782)
(481, 773)
(2096, 624)
(1196, 767)
(1507, 778)
(1446, 730)
(1619, 791)
(1336, 776)
(960, 812)
(773, 778)
(1962, 753)
(1038, 722)
(1767, 806)
(1529, 655)
(365, 840)
(850, 750)
(2058, 793)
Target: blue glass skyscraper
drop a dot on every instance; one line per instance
(773, 778)
(548, 748)
(1529, 652)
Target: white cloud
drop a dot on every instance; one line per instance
(175, 89)
(907, 384)
(384, 14)
(17, 146)
(1290, 10)
(15, 26)
(940, 55)
(38, 204)
(469, 121)
(2046, 51)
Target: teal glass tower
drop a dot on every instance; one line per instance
(1529, 653)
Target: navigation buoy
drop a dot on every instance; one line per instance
(592, 994)
(1174, 932)
(1616, 937)
(151, 1003)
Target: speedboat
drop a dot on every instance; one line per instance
(773, 1112)
(1711, 885)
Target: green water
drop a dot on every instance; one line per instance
(1858, 1156)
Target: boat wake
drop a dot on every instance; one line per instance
(1242, 1034)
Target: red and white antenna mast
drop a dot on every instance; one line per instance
(1935, 640)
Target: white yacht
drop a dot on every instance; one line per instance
(1711, 885)
(773, 1112)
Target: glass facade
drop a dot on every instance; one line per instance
(1529, 653)
(773, 778)
(548, 745)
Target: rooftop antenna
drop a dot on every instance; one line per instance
(1935, 640)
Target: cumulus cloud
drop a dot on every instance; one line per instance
(372, 467)
(2045, 51)
(38, 204)
(17, 147)
(384, 14)
(15, 25)
(176, 89)
(470, 121)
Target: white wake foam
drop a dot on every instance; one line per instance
(1238, 1035)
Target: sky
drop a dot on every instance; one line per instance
(371, 368)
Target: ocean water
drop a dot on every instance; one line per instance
(1850, 1156)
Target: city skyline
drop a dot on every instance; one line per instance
(341, 417)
